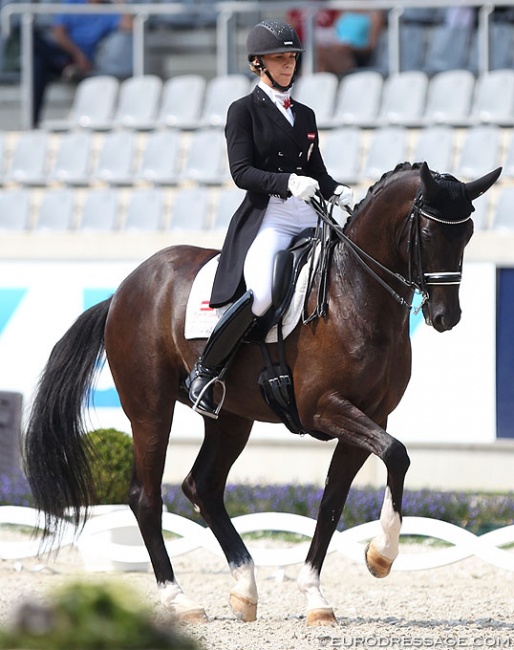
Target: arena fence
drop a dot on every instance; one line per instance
(110, 540)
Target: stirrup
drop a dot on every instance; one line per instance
(210, 414)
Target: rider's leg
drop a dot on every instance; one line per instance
(219, 351)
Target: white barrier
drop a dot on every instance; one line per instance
(102, 549)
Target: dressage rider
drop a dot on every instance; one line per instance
(272, 143)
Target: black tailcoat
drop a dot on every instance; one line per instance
(263, 151)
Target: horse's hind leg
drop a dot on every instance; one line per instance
(346, 462)
(205, 485)
(150, 446)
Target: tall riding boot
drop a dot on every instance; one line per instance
(219, 351)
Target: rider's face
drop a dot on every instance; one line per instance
(281, 67)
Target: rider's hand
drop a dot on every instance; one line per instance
(344, 196)
(302, 187)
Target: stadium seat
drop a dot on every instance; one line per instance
(206, 159)
(403, 98)
(100, 210)
(221, 91)
(480, 152)
(449, 98)
(501, 49)
(138, 103)
(190, 210)
(508, 165)
(72, 164)
(182, 101)
(229, 200)
(493, 100)
(503, 218)
(161, 158)
(388, 147)
(116, 159)
(413, 38)
(435, 146)
(448, 48)
(56, 210)
(15, 209)
(29, 160)
(145, 210)
(3, 153)
(358, 99)
(481, 214)
(93, 105)
(318, 91)
(342, 153)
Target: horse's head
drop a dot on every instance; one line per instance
(441, 226)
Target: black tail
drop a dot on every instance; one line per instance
(55, 455)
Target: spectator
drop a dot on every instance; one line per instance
(355, 37)
(69, 50)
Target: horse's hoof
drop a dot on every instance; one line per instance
(378, 565)
(194, 616)
(243, 609)
(321, 617)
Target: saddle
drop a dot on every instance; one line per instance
(286, 268)
(275, 380)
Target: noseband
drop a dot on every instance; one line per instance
(442, 278)
(423, 280)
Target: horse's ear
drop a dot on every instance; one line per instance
(430, 186)
(481, 185)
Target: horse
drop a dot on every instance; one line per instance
(350, 369)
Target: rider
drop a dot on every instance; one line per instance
(272, 144)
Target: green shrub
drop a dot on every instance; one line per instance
(112, 464)
(90, 616)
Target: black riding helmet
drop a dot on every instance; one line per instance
(273, 37)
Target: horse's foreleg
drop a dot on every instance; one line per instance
(150, 445)
(383, 550)
(349, 424)
(205, 485)
(346, 462)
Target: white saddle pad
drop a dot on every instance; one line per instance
(201, 319)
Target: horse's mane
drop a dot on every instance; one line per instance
(384, 179)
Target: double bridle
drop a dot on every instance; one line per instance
(418, 284)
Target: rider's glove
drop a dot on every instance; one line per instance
(344, 196)
(302, 187)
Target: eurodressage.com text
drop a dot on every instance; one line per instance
(446, 642)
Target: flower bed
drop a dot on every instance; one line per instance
(477, 513)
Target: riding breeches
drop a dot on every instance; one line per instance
(284, 218)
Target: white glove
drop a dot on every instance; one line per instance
(344, 195)
(302, 187)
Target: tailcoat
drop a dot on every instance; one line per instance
(263, 151)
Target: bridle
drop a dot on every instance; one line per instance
(419, 283)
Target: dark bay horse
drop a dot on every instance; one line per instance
(350, 370)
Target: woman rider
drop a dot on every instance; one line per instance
(273, 152)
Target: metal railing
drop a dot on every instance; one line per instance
(227, 12)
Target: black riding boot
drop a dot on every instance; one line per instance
(217, 355)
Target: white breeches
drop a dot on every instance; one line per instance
(282, 221)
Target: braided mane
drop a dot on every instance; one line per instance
(377, 186)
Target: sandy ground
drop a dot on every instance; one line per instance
(469, 604)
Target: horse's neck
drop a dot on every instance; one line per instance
(377, 231)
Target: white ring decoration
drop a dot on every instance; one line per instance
(191, 536)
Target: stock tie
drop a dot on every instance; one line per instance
(284, 99)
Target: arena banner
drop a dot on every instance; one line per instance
(451, 397)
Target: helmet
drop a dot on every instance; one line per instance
(272, 37)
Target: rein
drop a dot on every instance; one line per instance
(324, 209)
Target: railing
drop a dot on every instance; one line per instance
(226, 15)
(105, 552)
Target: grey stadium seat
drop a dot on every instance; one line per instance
(358, 99)
(181, 101)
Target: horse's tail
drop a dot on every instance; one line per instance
(56, 456)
